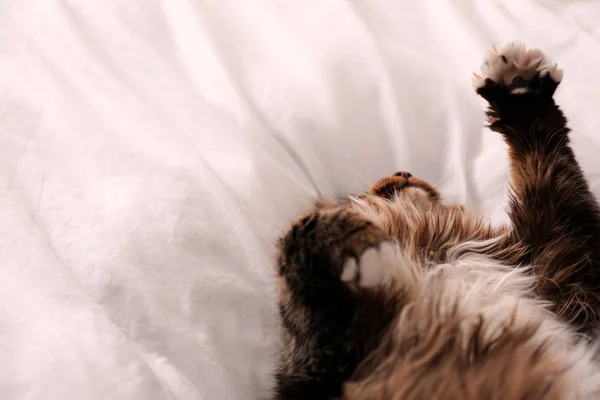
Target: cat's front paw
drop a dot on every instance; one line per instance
(518, 84)
(317, 246)
(374, 267)
(513, 69)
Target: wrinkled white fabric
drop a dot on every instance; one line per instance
(151, 152)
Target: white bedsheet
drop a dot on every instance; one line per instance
(151, 152)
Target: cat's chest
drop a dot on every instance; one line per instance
(440, 238)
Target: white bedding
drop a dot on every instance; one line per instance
(151, 152)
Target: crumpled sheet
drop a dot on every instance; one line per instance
(151, 152)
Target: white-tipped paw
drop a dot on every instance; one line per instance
(502, 65)
(374, 267)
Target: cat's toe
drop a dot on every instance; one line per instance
(517, 68)
(375, 266)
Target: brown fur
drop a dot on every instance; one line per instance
(430, 231)
(560, 260)
(431, 362)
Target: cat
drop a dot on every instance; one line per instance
(394, 295)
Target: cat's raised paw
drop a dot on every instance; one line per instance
(517, 70)
(374, 267)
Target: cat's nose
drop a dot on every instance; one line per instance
(403, 174)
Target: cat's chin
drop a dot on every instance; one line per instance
(406, 187)
(416, 196)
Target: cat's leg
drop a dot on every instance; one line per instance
(555, 216)
(337, 295)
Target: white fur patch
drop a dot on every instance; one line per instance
(513, 59)
(499, 293)
(350, 270)
(376, 266)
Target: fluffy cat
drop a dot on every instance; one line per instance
(393, 295)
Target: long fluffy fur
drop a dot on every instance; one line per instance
(394, 295)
